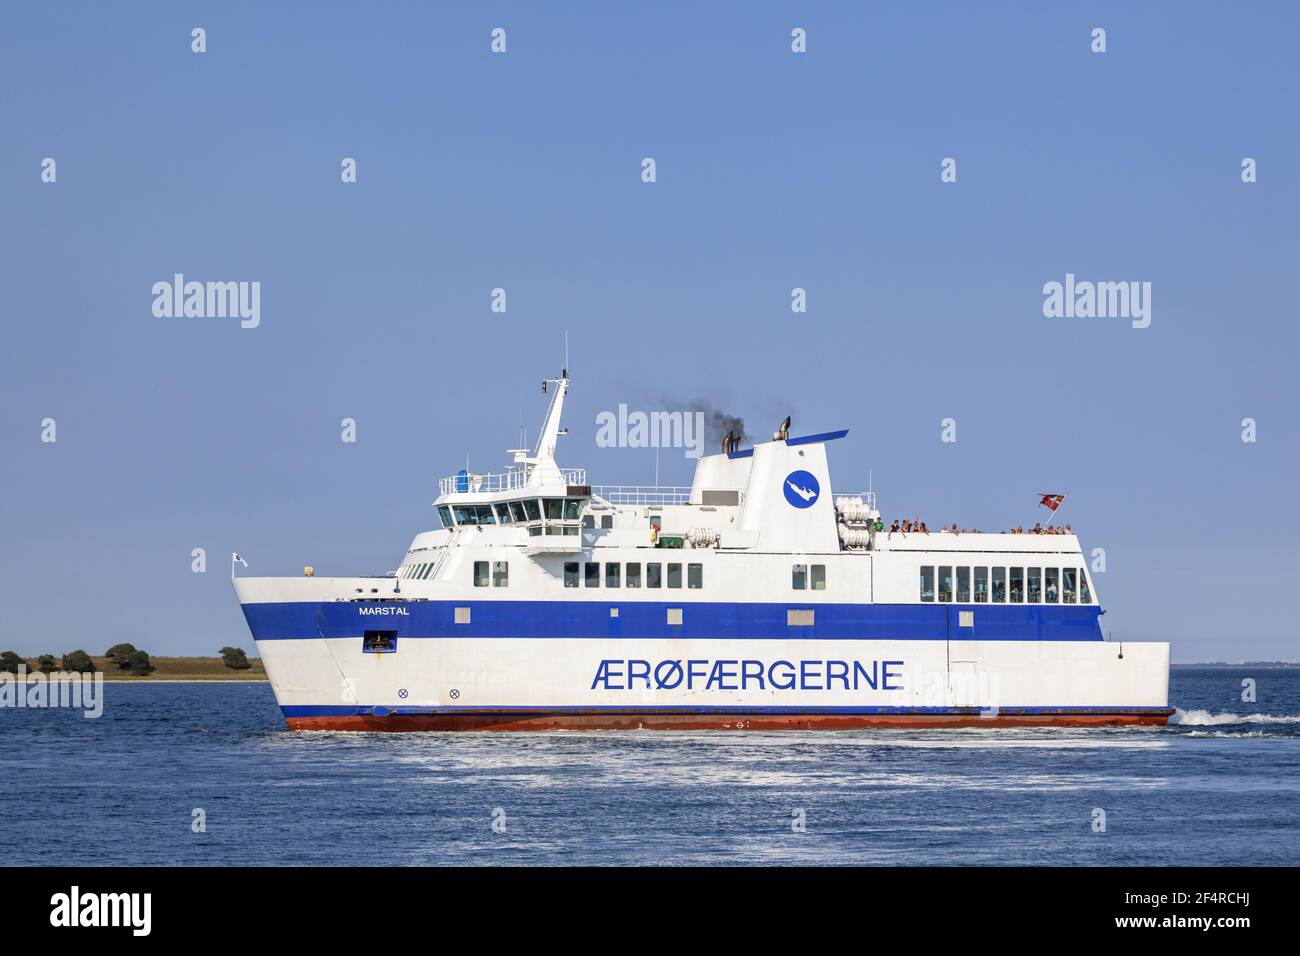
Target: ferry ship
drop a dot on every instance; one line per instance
(757, 598)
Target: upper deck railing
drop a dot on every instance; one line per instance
(513, 479)
(643, 494)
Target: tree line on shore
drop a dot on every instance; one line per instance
(124, 657)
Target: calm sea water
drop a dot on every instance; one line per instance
(1221, 787)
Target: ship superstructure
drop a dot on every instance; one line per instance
(757, 597)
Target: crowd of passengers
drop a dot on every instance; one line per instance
(919, 526)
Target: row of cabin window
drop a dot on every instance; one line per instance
(654, 576)
(800, 578)
(512, 512)
(1006, 585)
(500, 575)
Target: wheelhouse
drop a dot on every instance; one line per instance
(539, 516)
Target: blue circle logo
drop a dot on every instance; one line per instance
(801, 489)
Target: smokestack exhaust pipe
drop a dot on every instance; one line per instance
(784, 431)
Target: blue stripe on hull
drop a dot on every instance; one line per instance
(701, 621)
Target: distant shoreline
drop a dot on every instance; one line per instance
(1240, 664)
(185, 680)
(174, 670)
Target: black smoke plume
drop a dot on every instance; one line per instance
(717, 423)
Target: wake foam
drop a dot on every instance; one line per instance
(1203, 718)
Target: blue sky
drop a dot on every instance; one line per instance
(522, 171)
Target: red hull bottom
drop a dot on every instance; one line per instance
(607, 721)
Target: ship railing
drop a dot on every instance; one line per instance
(512, 479)
(643, 494)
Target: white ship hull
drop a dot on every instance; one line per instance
(451, 683)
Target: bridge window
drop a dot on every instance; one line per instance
(695, 576)
(571, 574)
(634, 574)
(424, 570)
(999, 585)
(613, 572)
(674, 575)
(799, 577)
(554, 508)
(1017, 585)
(500, 574)
(818, 577)
(591, 574)
(444, 515)
(532, 509)
(945, 582)
(1085, 595)
(517, 513)
(1035, 585)
(480, 574)
(503, 513)
(981, 585)
(1051, 585)
(927, 583)
(963, 585)
(653, 575)
(474, 514)
(1069, 585)
(573, 508)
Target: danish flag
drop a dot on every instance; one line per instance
(1052, 502)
